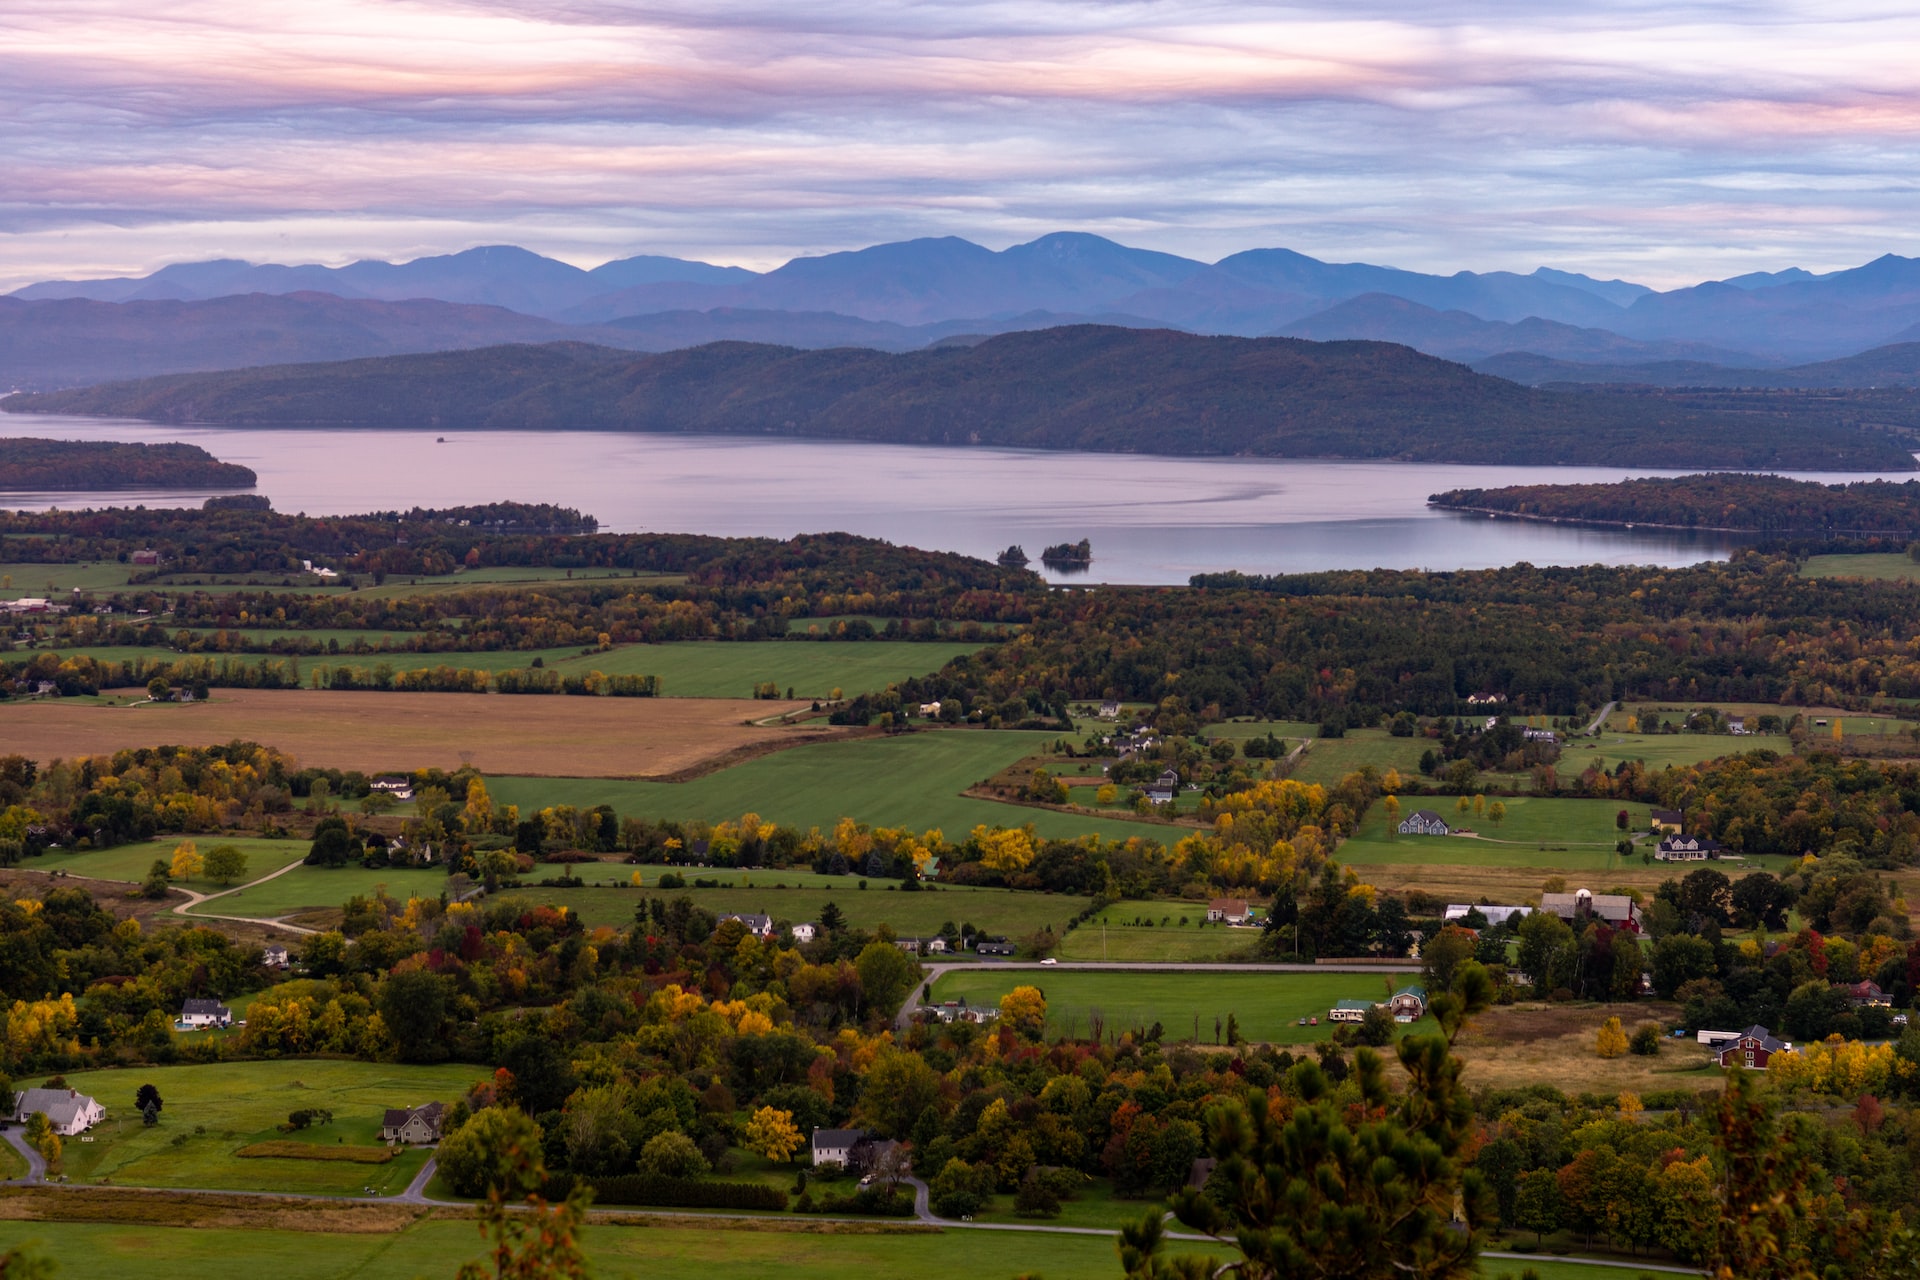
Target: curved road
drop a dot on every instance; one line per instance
(36, 1167)
(199, 899)
(931, 974)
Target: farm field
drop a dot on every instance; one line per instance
(580, 737)
(86, 1251)
(731, 668)
(130, 861)
(687, 668)
(1854, 723)
(1886, 567)
(1007, 911)
(1122, 939)
(1267, 1005)
(1241, 730)
(51, 580)
(911, 780)
(1330, 759)
(317, 888)
(1552, 834)
(1658, 750)
(211, 1111)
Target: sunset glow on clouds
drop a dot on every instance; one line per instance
(1665, 142)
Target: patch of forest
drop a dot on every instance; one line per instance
(1747, 503)
(27, 463)
(1084, 387)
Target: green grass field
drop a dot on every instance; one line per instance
(1726, 744)
(130, 861)
(1241, 730)
(1331, 759)
(1888, 567)
(1659, 750)
(1122, 939)
(1268, 1005)
(212, 1111)
(687, 669)
(51, 580)
(913, 780)
(1543, 832)
(85, 1251)
(308, 888)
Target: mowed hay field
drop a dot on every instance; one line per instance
(212, 1111)
(542, 735)
(1268, 1006)
(687, 669)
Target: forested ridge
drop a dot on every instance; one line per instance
(1085, 387)
(31, 463)
(1754, 503)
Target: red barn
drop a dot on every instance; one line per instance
(1752, 1048)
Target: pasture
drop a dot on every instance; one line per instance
(131, 861)
(321, 888)
(687, 668)
(1114, 935)
(1883, 567)
(1268, 1006)
(212, 1111)
(910, 780)
(679, 1248)
(1330, 759)
(1852, 723)
(552, 735)
(1552, 834)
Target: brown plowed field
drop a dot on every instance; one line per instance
(547, 735)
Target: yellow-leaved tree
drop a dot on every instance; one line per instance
(1025, 1010)
(771, 1132)
(1612, 1040)
(187, 862)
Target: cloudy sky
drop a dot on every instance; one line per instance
(1665, 142)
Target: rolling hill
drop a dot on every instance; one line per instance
(1082, 387)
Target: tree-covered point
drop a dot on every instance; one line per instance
(227, 540)
(29, 463)
(1746, 503)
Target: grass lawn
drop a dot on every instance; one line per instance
(1331, 759)
(1122, 939)
(1889, 566)
(1094, 1205)
(214, 1110)
(812, 669)
(1007, 911)
(687, 669)
(86, 1250)
(130, 861)
(306, 888)
(913, 780)
(1659, 750)
(1241, 730)
(1268, 1005)
(1541, 832)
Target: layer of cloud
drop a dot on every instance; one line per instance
(1665, 142)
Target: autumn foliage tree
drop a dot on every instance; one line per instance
(1364, 1188)
(771, 1132)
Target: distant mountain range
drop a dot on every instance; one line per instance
(1081, 387)
(916, 293)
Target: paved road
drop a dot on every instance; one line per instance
(416, 1192)
(1600, 719)
(36, 1167)
(933, 972)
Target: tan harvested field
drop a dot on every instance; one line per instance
(1520, 884)
(1530, 1043)
(549, 736)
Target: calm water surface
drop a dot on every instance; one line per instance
(1151, 520)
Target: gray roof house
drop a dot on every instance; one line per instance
(195, 1014)
(67, 1111)
(412, 1124)
(835, 1146)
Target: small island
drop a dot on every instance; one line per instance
(27, 463)
(1068, 557)
(1014, 557)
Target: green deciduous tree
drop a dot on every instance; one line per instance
(226, 864)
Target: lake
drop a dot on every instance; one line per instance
(1150, 519)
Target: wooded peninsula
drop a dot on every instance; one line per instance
(1740, 503)
(27, 463)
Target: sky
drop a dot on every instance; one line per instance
(1666, 143)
